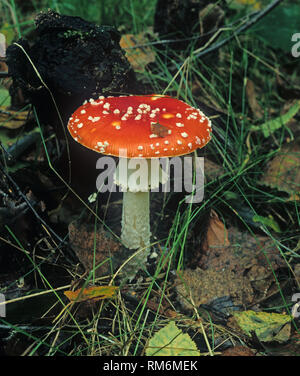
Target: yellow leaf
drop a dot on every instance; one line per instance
(267, 326)
(138, 57)
(171, 341)
(12, 119)
(91, 293)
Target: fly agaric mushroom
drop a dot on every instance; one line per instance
(148, 127)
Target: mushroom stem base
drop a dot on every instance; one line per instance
(136, 220)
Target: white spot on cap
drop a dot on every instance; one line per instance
(153, 135)
(184, 135)
(180, 125)
(179, 142)
(83, 111)
(106, 105)
(80, 125)
(179, 115)
(140, 147)
(93, 119)
(116, 111)
(93, 103)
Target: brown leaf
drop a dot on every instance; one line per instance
(256, 109)
(196, 287)
(283, 172)
(238, 351)
(83, 240)
(250, 258)
(213, 170)
(91, 293)
(217, 235)
(159, 129)
(12, 119)
(138, 57)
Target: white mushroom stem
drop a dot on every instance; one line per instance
(136, 183)
(136, 220)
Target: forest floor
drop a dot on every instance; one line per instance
(223, 274)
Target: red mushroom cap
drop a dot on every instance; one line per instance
(147, 126)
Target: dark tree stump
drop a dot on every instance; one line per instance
(77, 60)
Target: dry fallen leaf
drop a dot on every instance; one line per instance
(213, 170)
(91, 293)
(238, 350)
(256, 109)
(196, 287)
(12, 119)
(217, 234)
(283, 171)
(252, 260)
(138, 57)
(159, 129)
(267, 326)
(83, 240)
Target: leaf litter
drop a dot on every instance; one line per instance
(232, 264)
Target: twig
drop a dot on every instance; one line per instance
(257, 16)
(21, 145)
